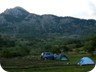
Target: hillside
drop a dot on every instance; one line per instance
(19, 23)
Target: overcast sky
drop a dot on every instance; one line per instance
(76, 8)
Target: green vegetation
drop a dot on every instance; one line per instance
(11, 47)
(57, 69)
(24, 55)
(33, 63)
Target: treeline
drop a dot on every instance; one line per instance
(11, 47)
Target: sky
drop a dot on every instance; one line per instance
(76, 8)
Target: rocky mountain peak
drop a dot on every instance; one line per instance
(17, 11)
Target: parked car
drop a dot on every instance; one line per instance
(47, 55)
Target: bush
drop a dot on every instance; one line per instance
(13, 52)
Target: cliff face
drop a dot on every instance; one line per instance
(20, 23)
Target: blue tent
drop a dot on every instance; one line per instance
(86, 61)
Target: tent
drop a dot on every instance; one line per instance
(86, 61)
(61, 57)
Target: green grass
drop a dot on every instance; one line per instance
(57, 69)
(34, 64)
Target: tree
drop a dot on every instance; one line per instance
(90, 46)
(55, 49)
(64, 48)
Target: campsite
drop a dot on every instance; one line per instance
(34, 64)
(25, 55)
(67, 44)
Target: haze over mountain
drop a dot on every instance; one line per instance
(19, 23)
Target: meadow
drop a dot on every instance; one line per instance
(33, 63)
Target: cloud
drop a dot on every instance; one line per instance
(92, 12)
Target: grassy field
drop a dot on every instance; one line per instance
(34, 64)
(56, 69)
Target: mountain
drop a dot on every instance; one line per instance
(19, 23)
(16, 14)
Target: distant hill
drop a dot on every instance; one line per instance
(19, 23)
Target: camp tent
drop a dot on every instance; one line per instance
(86, 61)
(61, 57)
